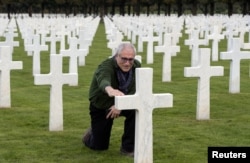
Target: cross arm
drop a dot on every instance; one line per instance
(191, 71)
(127, 102)
(40, 79)
(163, 100)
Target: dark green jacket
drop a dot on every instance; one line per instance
(105, 75)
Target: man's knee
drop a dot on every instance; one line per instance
(88, 141)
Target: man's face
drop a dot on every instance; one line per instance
(125, 60)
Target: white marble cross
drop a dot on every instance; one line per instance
(229, 33)
(115, 41)
(52, 39)
(6, 65)
(74, 54)
(56, 79)
(169, 51)
(216, 37)
(85, 38)
(150, 39)
(144, 101)
(175, 34)
(194, 42)
(36, 48)
(62, 34)
(235, 55)
(43, 32)
(28, 39)
(160, 30)
(204, 71)
(84, 42)
(135, 30)
(141, 32)
(9, 41)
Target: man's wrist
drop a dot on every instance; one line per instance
(108, 89)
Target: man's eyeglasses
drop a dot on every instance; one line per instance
(124, 59)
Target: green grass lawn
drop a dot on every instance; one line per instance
(177, 136)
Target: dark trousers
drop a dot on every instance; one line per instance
(101, 129)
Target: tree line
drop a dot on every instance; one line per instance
(123, 7)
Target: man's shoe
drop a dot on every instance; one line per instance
(86, 136)
(124, 152)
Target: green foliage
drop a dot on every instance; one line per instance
(177, 136)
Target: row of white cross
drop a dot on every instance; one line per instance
(34, 45)
(211, 28)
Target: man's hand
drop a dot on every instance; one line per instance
(113, 92)
(113, 112)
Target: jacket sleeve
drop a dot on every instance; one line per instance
(104, 76)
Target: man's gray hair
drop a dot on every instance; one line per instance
(123, 46)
